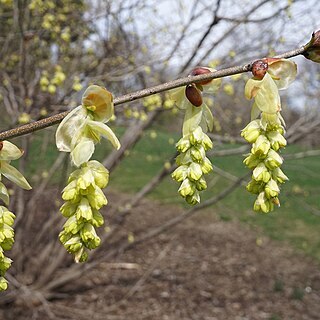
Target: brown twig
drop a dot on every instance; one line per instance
(50, 121)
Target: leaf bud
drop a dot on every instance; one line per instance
(313, 48)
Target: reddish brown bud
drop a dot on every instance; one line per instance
(1, 145)
(259, 68)
(201, 70)
(312, 49)
(194, 95)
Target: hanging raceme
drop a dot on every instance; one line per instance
(266, 129)
(8, 152)
(78, 134)
(192, 161)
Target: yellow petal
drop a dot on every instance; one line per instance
(267, 98)
(82, 152)
(99, 101)
(9, 151)
(284, 70)
(68, 128)
(14, 175)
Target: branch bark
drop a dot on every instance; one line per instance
(52, 120)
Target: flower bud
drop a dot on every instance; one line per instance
(68, 209)
(194, 199)
(196, 136)
(201, 184)
(263, 204)
(193, 95)
(180, 173)
(206, 166)
(84, 211)
(73, 244)
(81, 255)
(271, 189)
(255, 187)
(72, 225)
(277, 140)
(259, 69)
(206, 142)
(251, 161)
(197, 153)
(194, 171)
(97, 219)
(96, 198)
(183, 144)
(70, 191)
(3, 284)
(201, 70)
(278, 175)
(5, 265)
(261, 173)
(187, 188)
(261, 147)
(89, 236)
(273, 160)
(252, 131)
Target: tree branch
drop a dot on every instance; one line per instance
(52, 120)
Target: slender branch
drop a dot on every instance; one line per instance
(50, 121)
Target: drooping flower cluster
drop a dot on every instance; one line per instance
(8, 152)
(192, 161)
(78, 134)
(267, 132)
(84, 198)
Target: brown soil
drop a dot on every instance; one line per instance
(202, 269)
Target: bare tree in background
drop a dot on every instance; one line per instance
(49, 51)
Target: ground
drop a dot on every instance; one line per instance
(204, 269)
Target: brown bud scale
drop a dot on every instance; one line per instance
(193, 95)
(201, 70)
(1, 145)
(259, 68)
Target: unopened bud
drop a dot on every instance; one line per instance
(194, 95)
(259, 69)
(201, 70)
(313, 48)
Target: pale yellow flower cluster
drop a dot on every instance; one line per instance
(78, 134)
(192, 161)
(8, 152)
(267, 132)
